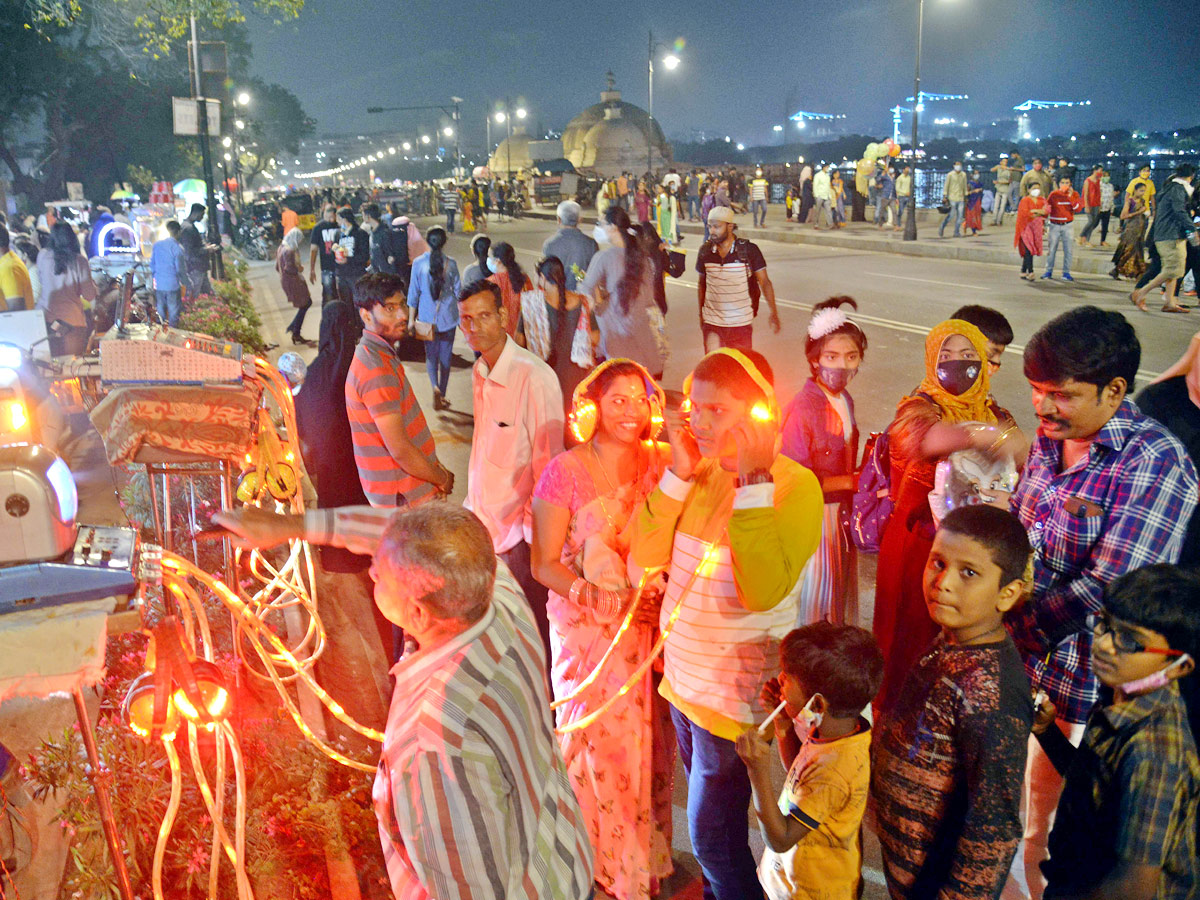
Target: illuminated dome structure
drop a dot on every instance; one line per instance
(512, 154)
(614, 137)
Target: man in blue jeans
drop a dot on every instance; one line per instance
(954, 193)
(168, 268)
(1061, 206)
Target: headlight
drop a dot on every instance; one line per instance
(18, 418)
(10, 356)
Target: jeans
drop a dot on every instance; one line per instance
(999, 203)
(693, 208)
(1105, 217)
(1042, 786)
(901, 209)
(718, 797)
(437, 359)
(1026, 261)
(1093, 220)
(170, 306)
(882, 206)
(450, 213)
(739, 337)
(956, 213)
(297, 322)
(759, 209)
(824, 209)
(328, 286)
(517, 559)
(1061, 234)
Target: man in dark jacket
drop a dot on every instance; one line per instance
(351, 255)
(1171, 231)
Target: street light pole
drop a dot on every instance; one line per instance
(214, 234)
(457, 135)
(910, 224)
(650, 104)
(508, 140)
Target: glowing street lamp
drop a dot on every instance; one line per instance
(406, 145)
(243, 98)
(424, 139)
(521, 113)
(240, 124)
(448, 131)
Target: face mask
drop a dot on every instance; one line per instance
(958, 168)
(957, 375)
(1035, 192)
(600, 234)
(493, 265)
(1154, 680)
(809, 720)
(836, 379)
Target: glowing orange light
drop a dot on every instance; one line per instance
(760, 412)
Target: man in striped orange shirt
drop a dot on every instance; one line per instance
(393, 449)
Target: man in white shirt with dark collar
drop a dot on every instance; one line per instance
(518, 430)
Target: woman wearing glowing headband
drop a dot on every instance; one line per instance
(735, 521)
(581, 510)
(820, 433)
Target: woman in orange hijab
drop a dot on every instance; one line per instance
(951, 410)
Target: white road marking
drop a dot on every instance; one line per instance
(969, 287)
(895, 325)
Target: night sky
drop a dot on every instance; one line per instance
(743, 63)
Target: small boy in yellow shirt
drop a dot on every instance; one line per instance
(828, 675)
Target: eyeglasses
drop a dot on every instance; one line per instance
(1124, 641)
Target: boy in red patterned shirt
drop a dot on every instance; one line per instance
(950, 757)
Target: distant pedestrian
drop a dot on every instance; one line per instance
(1002, 182)
(954, 194)
(478, 270)
(1170, 233)
(168, 268)
(693, 196)
(973, 213)
(733, 275)
(1031, 218)
(667, 215)
(1129, 259)
(291, 279)
(1108, 193)
(642, 203)
(379, 239)
(508, 274)
(885, 196)
(1061, 206)
(66, 283)
(400, 255)
(1144, 179)
(351, 254)
(195, 251)
(823, 195)
(1091, 204)
(450, 203)
(864, 171)
(432, 294)
(570, 246)
(758, 198)
(323, 239)
(1037, 175)
(838, 189)
(904, 195)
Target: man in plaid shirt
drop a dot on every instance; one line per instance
(1106, 490)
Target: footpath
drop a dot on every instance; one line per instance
(993, 245)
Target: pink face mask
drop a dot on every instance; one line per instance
(1154, 680)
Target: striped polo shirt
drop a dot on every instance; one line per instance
(727, 302)
(472, 796)
(377, 386)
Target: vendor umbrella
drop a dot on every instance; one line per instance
(191, 186)
(123, 195)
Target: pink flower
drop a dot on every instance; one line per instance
(198, 860)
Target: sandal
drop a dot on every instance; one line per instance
(1140, 304)
(1176, 309)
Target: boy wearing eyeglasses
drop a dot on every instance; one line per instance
(1126, 824)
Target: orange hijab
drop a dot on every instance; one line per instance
(973, 405)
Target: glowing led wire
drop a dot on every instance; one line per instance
(707, 563)
(235, 854)
(168, 822)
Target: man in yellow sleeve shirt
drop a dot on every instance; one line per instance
(733, 522)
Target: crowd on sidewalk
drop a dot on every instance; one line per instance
(1019, 718)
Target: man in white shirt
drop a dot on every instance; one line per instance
(733, 275)
(518, 430)
(823, 194)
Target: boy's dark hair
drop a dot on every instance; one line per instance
(840, 662)
(173, 228)
(999, 531)
(482, 286)
(990, 321)
(372, 210)
(375, 288)
(1086, 344)
(1161, 597)
(721, 370)
(1185, 170)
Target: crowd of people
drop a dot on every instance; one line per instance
(1019, 717)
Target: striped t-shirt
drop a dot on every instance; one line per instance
(758, 189)
(376, 386)
(727, 302)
